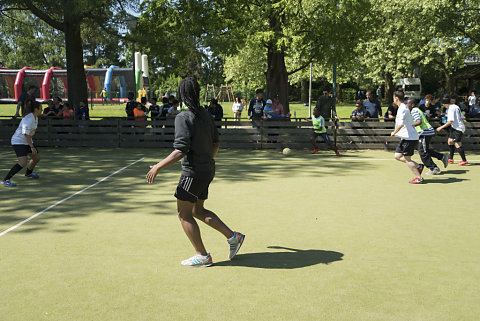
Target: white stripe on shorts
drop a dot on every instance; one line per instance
(188, 183)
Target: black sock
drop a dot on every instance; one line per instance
(452, 150)
(461, 151)
(29, 171)
(15, 169)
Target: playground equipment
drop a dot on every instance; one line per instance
(226, 91)
(53, 82)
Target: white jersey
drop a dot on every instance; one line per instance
(27, 126)
(404, 117)
(454, 114)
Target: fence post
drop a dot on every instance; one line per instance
(261, 133)
(118, 133)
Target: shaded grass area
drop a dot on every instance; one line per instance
(327, 238)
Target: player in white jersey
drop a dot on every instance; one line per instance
(23, 145)
(405, 130)
(457, 128)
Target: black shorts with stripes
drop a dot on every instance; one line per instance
(191, 189)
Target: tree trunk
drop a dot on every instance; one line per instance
(277, 77)
(304, 90)
(389, 88)
(76, 79)
(449, 83)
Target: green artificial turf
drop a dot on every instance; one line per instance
(326, 239)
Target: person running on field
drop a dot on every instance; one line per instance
(23, 145)
(457, 128)
(426, 133)
(196, 143)
(409, 137)
(320, 130)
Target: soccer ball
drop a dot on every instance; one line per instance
(286, 151)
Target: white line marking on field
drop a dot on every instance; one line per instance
(69, 197)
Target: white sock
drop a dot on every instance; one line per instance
(231, 239)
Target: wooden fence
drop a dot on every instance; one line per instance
(295, 133)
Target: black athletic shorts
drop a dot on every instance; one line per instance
(456, 135)
(23, 150)
(406, 147)
(192, 189)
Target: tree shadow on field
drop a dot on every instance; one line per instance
(289, 259)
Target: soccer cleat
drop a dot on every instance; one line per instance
(420, 168)
(451, 161)
(416, 180)
(315, 150)
(337, 153)
(463, 163)
(32, 175)
(445, 160)
(198, 261)
(7, 182)
(235, 244)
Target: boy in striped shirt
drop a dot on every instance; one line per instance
(426, 133)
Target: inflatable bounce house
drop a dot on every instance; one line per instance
(53, 82)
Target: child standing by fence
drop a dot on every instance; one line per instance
(319, 129)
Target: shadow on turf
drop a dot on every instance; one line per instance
(445, 180)
(289, 259)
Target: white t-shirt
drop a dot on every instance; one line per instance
(26, 127)
(454, 114)
(237, 107)
(472, 100)
(404, 117)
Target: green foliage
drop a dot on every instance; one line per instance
(28, 41)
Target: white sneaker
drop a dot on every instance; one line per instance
(235, 244)
(198, 261)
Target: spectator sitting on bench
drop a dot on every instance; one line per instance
(67, 112)
(268, 110)
(173, 111)
(215, 109)
(49, 112)
(391, 112)
(82, 111)
(277, 107)
(473, 111)
(358, 113)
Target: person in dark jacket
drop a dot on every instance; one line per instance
(196, 144)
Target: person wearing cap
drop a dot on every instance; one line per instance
(268, 110)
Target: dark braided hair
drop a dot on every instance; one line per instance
(189, 93)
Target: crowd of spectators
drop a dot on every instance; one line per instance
(430, 105)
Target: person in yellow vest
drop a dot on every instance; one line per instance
(104, 95)
(319, 130)
(426, 132)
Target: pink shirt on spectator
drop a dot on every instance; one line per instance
(277, 109)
